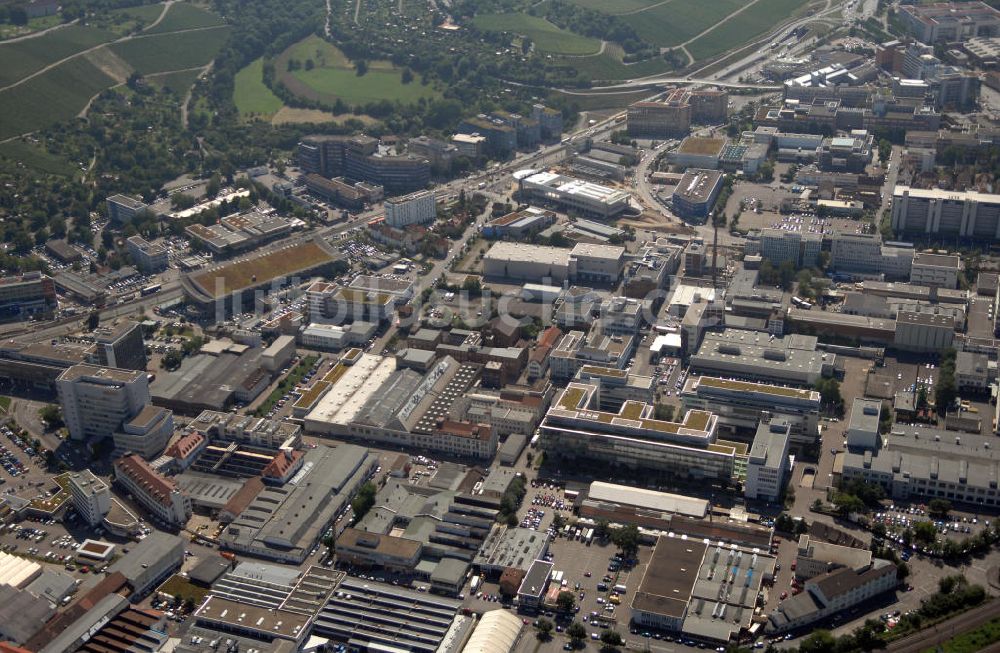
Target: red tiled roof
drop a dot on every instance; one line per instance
(183, 447)
(239, 501)
(549, 337)
(280, 464)
(138, 470)
(464, 429)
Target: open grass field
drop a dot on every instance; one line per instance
(335, 77)
(183, 15)
(128, 20)
(676, 21)
(546, 36)
(602, 101)
(253, 98)
(756, 20)
(178, 83)
(31, 156)
(57, 95)
(609, 66)
(22, 58)
(164, 52)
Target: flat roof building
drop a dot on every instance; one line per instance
(696, 193)
(575, 194)
(791, 359)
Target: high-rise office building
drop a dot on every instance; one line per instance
(96, 401)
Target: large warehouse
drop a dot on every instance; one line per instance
(586, 262)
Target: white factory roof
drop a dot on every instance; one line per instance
(496, 632)
(648, 499)
(571, 186)
(341, 404)
(16, 571)
(684, 294)
(670, 340)
(542, 254)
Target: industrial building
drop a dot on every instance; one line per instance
(695, 195)
(947, 213)
(921, 461)
(801, 249)
(621, 504)
(360, 158)
(519, 224)
(815, 557)
(372, 616)
(936, 270)
(585, 262)
(574, 195)
(284, 522)
(705, 591)
(149, 562)
(156, 493)
(752, 355)
(575, 428)
(674, 115)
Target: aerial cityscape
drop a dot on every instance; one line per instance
(496, 326)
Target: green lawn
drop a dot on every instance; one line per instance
(130, 19)
(182, 15)
(608, 67)
(972, 641)
(178, 83)
(736, 31)
(252, 96)
(57, 95)
(546, 36)
(166, 52)
(32, 156)
(4, 405)
(333, 77)
(675, 22)
(22, 58)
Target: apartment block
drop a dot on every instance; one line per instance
(415, 208)
(801, 249)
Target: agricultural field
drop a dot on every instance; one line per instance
(177, 51)
(756, 20)
(620, 6)
(333, 77)
(22, 58)
(252, 96)
(59, 94)
(673, 22)
(29, 155)
(546, 36)
(178, 82)
(183, 15)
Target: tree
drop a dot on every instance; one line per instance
(544, 629)
(51, 414)
(945, 392)
(626, 538)
(172, 359)
(938, 508)
(820, 641)
(363, 501)
(576, 633)
(361, 67)
(565, 601)
(829, 391)
(214, 185)
(611, 639)
(924, 531)
(407, 76)
(93, 320)
(884, 150)
(848, 503)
